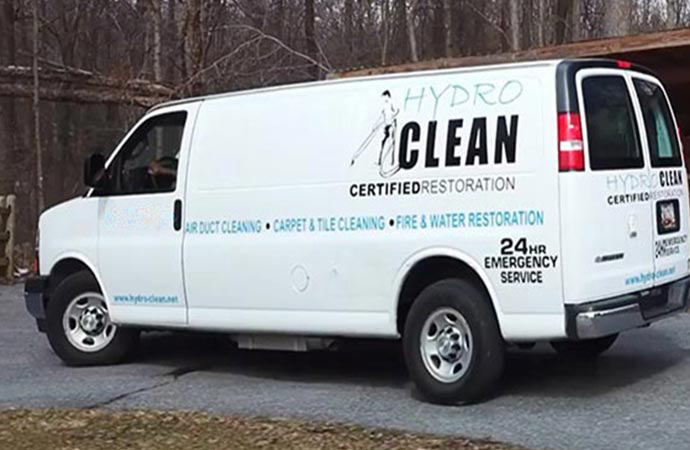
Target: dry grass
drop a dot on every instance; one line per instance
(101, 430)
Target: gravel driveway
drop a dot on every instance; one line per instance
(636, 396)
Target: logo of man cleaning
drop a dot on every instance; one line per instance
(387, 123)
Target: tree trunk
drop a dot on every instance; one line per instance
(576, 21)
(193, 44)
(349, 30)
(438, 33)
(514, 8)
(412, 31)
(309, 36)
(385, 27)
(526, 33)
(448, 13)
(541, 23)
(561, 19)
(10, 157)
(37, 115)
(279, 19)
(172, 45)
(617, 18)
(155, 14)
(673, 9)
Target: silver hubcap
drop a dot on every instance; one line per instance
(446, 345)
(87, 323)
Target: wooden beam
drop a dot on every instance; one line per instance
(81, 87)
(84, 96)
(593, 48)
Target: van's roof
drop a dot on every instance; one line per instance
(308, 84)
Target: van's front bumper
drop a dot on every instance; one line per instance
(34, 297)
(613, 315)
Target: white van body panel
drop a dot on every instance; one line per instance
(305, 209)
(282, 158)
(672, 251)
(62, 238)
(594, 229)
(140, 254)
(610, 243)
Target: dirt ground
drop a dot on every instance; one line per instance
(100, 430)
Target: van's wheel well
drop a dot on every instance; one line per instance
(427, 272)
(62, 270)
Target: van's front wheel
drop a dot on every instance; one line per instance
(79, 328)
(453, 348)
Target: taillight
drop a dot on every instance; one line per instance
(571, 154)
(624, 64)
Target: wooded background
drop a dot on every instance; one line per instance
(77, 73)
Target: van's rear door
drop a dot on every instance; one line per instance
(669, 190)
(607, 219)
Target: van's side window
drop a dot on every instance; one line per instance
(147, 163)
(612, 133)
(661, 134)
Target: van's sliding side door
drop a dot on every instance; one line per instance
(141, 221)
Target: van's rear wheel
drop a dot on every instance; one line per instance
(79, 328)
(453, 347)
(586, 348)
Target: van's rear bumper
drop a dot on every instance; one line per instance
(613, 315)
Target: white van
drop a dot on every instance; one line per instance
(459, 210)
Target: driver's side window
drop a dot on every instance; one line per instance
(147, 163)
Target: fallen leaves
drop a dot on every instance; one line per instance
(153, 430)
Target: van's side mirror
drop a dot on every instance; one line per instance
(94, 170)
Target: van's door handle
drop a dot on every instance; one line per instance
(177, 215)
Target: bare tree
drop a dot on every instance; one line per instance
(37, 115)
(155, 14)
(309, 34)
(674, 12)
(171, 32)
(617, 15)
(541, 23)
(9, 154)
(448, 12)
(412, 31)
(514, 7)
(194, 48)
(561, 19)
(349, 28)
(576, 20)
(385, 31)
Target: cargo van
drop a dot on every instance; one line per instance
(461, 211)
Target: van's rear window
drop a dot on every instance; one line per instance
(612, 133)
(661, 132)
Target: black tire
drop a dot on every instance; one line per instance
(488, 349)
(586, 348)
(122, 344)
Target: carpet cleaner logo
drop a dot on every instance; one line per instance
(386, 127)
(468, 141)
